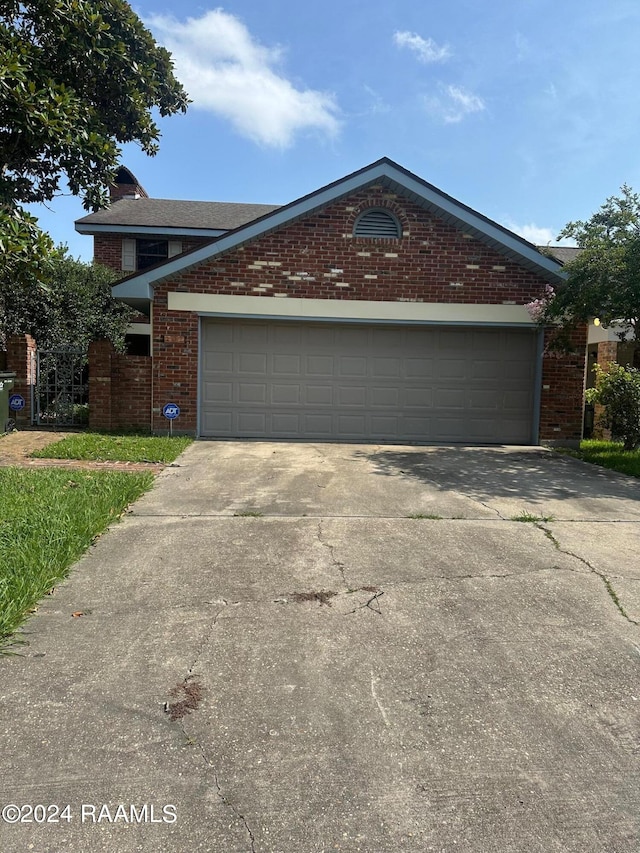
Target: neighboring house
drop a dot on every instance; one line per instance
(376, 308)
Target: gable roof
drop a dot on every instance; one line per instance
(164, 214)
(383, 172)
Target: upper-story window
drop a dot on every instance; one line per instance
(150, 252)
(141, 253)
(377, 222)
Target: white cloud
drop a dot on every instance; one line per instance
(455, 104)
(227, 72)
(426, 49)
(538, 235)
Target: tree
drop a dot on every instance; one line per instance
(75, 308)
(78, 78)
(617, 389)
(604, 279)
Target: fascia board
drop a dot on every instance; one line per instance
(133, 288)
(168, 231)
(477, 223)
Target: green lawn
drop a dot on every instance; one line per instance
(48, 518)
(611, 455)
(106, 447)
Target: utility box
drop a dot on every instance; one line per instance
(7, 381)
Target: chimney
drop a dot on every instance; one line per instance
(126, 186)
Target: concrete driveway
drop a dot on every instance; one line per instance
(299, 648)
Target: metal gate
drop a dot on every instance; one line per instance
(61, 390)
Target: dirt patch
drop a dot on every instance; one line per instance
(16, 446)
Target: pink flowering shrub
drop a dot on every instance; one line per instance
(538, 308)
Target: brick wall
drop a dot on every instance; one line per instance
(119, 389)
(562, 394)
(317, 257)
(107, 248)
(20, 359)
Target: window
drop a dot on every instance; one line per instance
(377, 223)
(150, 252)
(140, 254)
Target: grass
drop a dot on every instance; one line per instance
(48, 518)
(106, 447)
(610, 454)
(527, 517)
(419, 515)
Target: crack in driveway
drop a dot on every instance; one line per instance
(337, 564)
(603, 577)
(223, 797)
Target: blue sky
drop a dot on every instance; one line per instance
(526, 110)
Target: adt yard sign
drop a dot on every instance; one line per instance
(171, 411)
(16, 402)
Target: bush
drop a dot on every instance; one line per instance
(617, 389)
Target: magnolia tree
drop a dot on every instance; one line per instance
(603, 281)
(74, 310)
(77, 80)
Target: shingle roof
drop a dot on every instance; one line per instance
(564, 254)
(171, 213)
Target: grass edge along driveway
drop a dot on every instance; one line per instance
(49, 517)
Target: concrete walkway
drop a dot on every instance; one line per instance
(304, 648)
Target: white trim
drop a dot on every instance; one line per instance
(349, 309)
(139, 329)
(597, 334)
(152, 230)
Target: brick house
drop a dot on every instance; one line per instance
(376, 308)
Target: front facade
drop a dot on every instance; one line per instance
(375, 309)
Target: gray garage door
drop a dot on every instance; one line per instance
(359, 382)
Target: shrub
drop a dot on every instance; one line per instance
(617, 390)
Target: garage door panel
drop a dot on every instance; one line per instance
(218, 362)
(335, 381)
(452, 368)
(217, 423)
(252, 423)
(515, 400)
(385, 426)
(318, 395)
(351, 395)
(418, 367)
(285, 394)
(486, 370)
(319, 365)
(486, 399)
(449, 398)
(219, 392)
(352, 425)
(252, 393)
(287, 365)
(286, 423)
(322, 337)
(384, 397)
(383, 367)
(518, 371)
(250, 362)
(418, 397)
(320, 425)
(350, 366)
